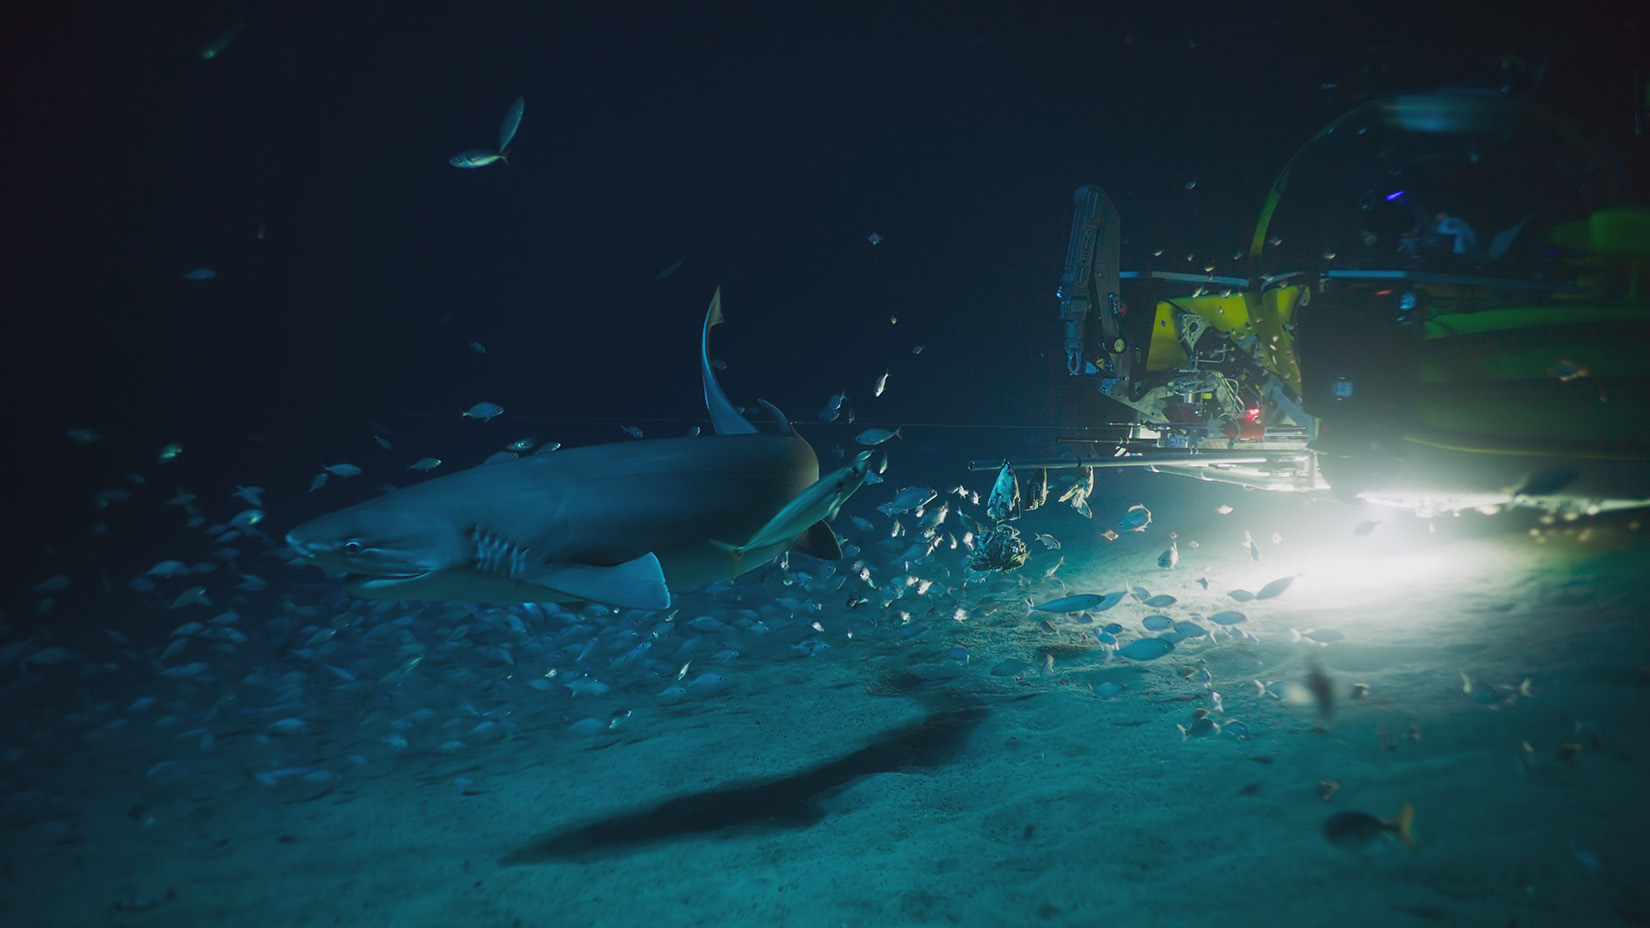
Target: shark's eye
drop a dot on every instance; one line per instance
(353, 547)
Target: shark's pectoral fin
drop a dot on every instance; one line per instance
(635, 584)
(818, 541)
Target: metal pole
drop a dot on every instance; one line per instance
(1193, 460)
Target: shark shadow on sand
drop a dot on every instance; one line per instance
(789, 801)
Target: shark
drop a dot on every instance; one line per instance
(622, 524)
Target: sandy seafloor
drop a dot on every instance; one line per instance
(1056, 807)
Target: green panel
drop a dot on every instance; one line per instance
(1523, 317)
(1580, 411)
(1603, 351)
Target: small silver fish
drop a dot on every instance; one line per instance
(84, 436)
(523, 444)
(475, 158)
(1275, 588)
(909, 499)
(425, 464)
(631, 430)
(342, 470)
(1010, 668)
(1202, 726)
(1566, 371)
(483, 411)
(882, 384)
(48, 657)
(200, 274)
(833, 407)
(195, 595)
(875, 436)
(1135, 520)
(670, 269)
(1169, 558)
(246, 518)
(1080, 602)
(1145, 649)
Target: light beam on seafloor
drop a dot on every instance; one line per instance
(1401, 557)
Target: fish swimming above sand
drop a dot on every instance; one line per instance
(1360, 831)
(1136, 519)
(1170, 557)
(908, 500)
(621, 524)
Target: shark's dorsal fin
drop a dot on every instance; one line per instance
(723, 417)
(779, 417)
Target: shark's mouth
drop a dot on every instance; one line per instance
(355, 579)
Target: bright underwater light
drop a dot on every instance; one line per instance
(1368, 565)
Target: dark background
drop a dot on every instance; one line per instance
(761, 146)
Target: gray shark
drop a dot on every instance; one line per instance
(622, 524)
